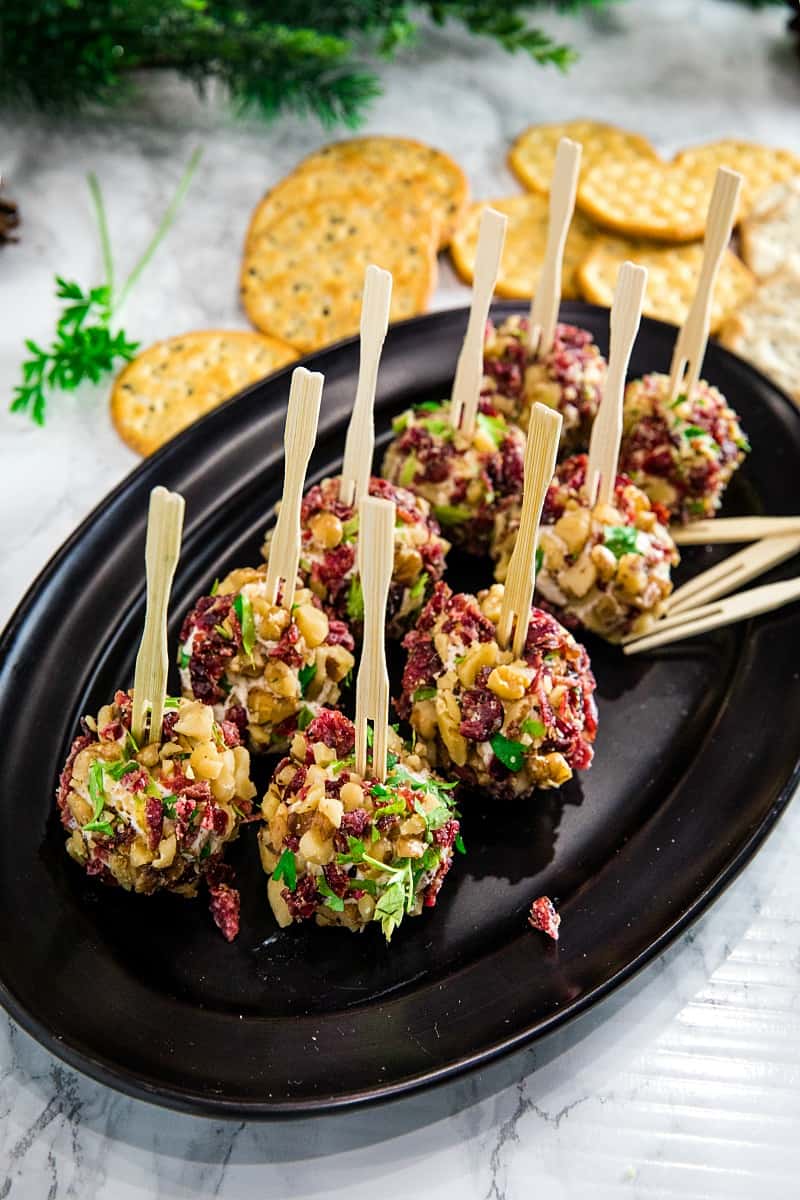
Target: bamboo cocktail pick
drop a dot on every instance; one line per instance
(299, 436)
(360, 444)
(162, 550)
(546, 299)
(712, 616)
(690, 348)
(626, 313)
(732, 572)
(734, 529)
(469, 369)
(541, 451)
(376, 519)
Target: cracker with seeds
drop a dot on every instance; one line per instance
(391, 169)
(526, 240)
(764, 330)
(770, 237)
(532, 157)
(174, 382)
(673, 272)
(302, 276)
(647, 199)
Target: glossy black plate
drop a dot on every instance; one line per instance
(697, 756)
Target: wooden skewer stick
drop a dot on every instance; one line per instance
(469, 369)
(626, 313)
(375, 561)
(299, 436)
(713, 616)
(546, 299)
(360, 445)
(541, 451)
(734, 571)
(734, 529)
(690, 347)
(162, 550)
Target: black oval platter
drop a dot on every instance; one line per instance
(697, 755)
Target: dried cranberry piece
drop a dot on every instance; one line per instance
(337, 879)
(334, 730)
(446, 834)
(154, 820)
(302, 902)
(543, 916)
(482, 714)
(225, 904)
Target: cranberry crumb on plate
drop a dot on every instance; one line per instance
(329, 530)
(265, 669)
(569, 378)
(346, 849)
(158, 817)
(462, 478)
(488, 719)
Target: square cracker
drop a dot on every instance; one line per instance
(764, 330)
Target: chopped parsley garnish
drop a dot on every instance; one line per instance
(696, 507)
(304, 719)
(286, 870)
(99, 827)
(511, 754)
(118, 769)
(437, 817)
(169, 803)
(331, 899)
(244, 611)
(184, 658)
(408, 471)
(695, 431)
(459, 844)
(365, 885)
(305, 676)
(355, 851)
(391, 907)
(438, 427)
(418, 590)
(350, 529)
(97, 793)
(206, 850)
(214, 588)
(390, 810)
(622, 539)
(451, 514)
(355, 600)
(223, 631)
(678, 400)
(424, 693)
(429, 406)
(400, 424)
(494, 427)
(539, 559)
(535, 728)
(171, 702)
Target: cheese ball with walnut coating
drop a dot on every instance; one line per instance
(487, 718)
(346, 849)
(328, 550)
(266, 669)
(462, 478)
(158, 817)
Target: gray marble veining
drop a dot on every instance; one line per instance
(687, 1083)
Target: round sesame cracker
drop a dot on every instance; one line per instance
(533, 155)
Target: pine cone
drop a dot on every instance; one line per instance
(9, 219)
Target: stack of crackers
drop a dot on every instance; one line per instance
(390, 201)
(397, 203)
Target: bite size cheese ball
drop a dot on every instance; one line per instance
(330, 543)
(266, 670)
(606, 570)
(494, 721)
(158, 817)
(683, 454)
(462, 478)
(570, 378)
(346, 849)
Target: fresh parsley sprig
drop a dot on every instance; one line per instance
(85, 346)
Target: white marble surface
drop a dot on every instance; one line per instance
(688, 1083)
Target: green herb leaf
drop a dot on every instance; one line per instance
(408, 471)
(97, 793)
(355, 851)
(118, 769)
(535, 728)
(390, 810)
(678, 400)
(459, 844)
(418, 590)
(424, 693)
(494, 427)
(286, 870)
(510, 753)
(206, 850)
(350, 529)
(331, 899)
(622, 539)
(244, 611)
(98, 827)
(184, 658)
(430, 406)
(305, 676)
(438, 427)
(304, 719)
(390, 908)
(355, 600)
(451, 514)
(539, 559)
(365, 885)
(400, 424)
